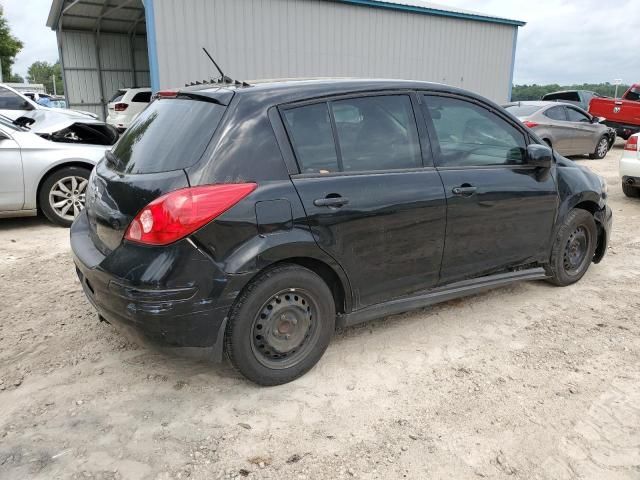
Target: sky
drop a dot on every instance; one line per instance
(564, 41)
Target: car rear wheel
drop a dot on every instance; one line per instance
(573, 248)
(630, 190)
(62, 194)
(602, 148)
(280, 325)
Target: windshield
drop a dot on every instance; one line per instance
(170, 134)
(522, 110)
(117, 96)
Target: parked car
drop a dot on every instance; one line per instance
(14, 104)
(581, 98)
(622, 114)
(566, 128)
(254, 219)
(630, 167)
(126, 104)
(45, 162)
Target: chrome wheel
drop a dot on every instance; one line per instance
(603, 148)
(67, 196)
(284, 328)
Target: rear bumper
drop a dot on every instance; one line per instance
(174, 298)
(629, 166)
(623, 130)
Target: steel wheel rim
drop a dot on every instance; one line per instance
(285, 329)
(602, 147)
(67, 196)
(576, 250)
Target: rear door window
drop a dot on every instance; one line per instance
(470, 135)
(556, 113)
(170, 134)
(566, 96)
(371, 133)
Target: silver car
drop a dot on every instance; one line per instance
(565, 127)
(45, 162)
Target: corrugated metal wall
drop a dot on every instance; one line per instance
(253, 39)
(120, 59)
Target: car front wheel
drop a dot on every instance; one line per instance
(62, 194)
(630, 190)
(573, 248)
(602, 148)
(280, 325)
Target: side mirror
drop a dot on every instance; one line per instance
(27, 106)
(539, 155)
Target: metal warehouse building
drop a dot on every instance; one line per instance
(108, 44)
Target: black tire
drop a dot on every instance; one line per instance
(602, 148)
(283, 302)
(630, 190)
(573, 248)
(46, 194)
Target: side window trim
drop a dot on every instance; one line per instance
(280, 125)
(435, 142)
(334, 133)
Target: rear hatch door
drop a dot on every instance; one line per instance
(149, 161)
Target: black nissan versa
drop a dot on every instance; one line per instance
(254, 219)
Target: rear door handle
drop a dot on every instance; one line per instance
(464, 191)
(331, 202)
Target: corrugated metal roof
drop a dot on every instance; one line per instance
(430, 8)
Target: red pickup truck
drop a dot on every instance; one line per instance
(622, 114)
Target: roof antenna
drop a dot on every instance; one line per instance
(216, 65)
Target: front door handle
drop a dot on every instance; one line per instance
(465, 190)
(335, 202)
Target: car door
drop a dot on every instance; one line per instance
(585, 132)
(370, 191)
(11, 174)
(500, 211)
(561, 131)
(12, 105)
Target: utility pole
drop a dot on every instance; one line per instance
(1, 79)
(53, 78)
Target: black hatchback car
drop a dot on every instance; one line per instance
(253, 220)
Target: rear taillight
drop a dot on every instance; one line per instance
(167, 94)
(120, 107)
(632, 144)
(530, 124)
(180, 213)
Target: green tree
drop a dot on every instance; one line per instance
(536, 92)
(43, 72)
(9, 46)
(14, 78)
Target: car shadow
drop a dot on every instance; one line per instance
(20, 223)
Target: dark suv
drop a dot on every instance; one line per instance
(253, 220)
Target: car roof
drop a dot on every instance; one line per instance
(278, 91)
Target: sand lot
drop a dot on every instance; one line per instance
(529, 381)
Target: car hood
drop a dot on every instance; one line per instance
(68, 127)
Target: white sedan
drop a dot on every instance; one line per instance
(630, 167)
(45, 162)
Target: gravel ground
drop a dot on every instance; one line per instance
(529, 381)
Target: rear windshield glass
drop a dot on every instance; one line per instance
(117, 96)
(169, 135)
(522, 110)
(568, 96)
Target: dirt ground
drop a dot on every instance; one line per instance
(529, 381)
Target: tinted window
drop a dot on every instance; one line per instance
(143, 97)
(470, 135)
(575, 116)
(633, 94)
(377, 133)
(310, 132)
(522, 110)
(170, 134)
(567, 96)
(556, 113)
(11, 101)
